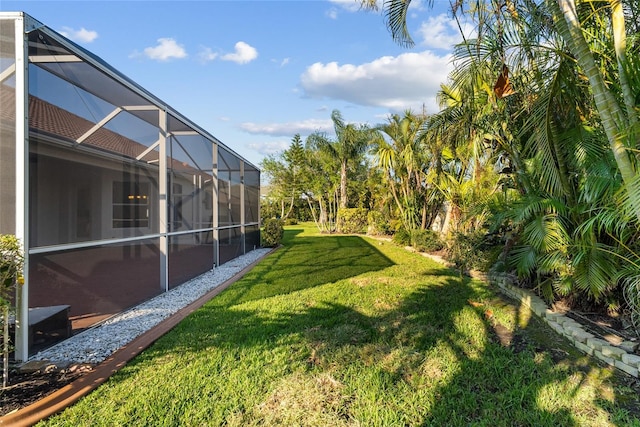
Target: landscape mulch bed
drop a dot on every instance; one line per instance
(25, 388)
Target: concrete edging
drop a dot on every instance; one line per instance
(586, 342)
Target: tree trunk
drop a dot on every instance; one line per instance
(611, 115)
(395, 196)
(323, 214)
(423, 224)
(620, 43)
(344, 199)
(451, 218)
(313, 214)
(290, 208)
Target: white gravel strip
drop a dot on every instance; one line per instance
(98, 343)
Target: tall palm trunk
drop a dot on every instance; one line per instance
(612, 117)
(344, 198)
(620, 44)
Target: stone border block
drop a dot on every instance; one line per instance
(631, 370)
(556, 326)
(604, 358)
(596, 343)
(584, 341)
(629, 346)
(584, 348)
(613, 352)
(582, 336)
(631, 359)
(553, 315)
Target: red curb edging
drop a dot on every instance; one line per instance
(71, 393)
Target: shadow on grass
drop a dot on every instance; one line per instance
(305, 262)
(433, 358)
(486, 383)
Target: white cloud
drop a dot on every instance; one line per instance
(166, 49)
(356, 5)
(281, 62)
(206, 54)
(332, 13)
(304, 127)
(442, 32)
(269, 147)
(243, 54)
(397, 83)
(417, 5)
(82, 35)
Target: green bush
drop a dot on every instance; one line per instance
(11, 262)
(473, 251)
(377, 223)
(352, 220)
(402, 237)
(290, 221)
(272, 232)
(426, 240)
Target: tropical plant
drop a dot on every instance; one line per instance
(586, 30)
(323, 186)
(353, 220)
(411, 165)
(286, 174)
(11, 264)
(565, 149)
(348, 148)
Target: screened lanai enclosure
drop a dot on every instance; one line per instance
(115, 196)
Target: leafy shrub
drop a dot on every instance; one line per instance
(426, 240)
(377, 223)
(402, 237)
(11, 262)
(472, 251)
(272, 232)
(290, 221)
(352, 220)
(395, 225)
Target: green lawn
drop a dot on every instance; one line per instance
(345, 330)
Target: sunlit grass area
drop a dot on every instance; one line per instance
(345, 330)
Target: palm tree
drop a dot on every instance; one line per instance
(351, 143)
(562, 124)
(322, 187)
(399, 155)
(620, 123)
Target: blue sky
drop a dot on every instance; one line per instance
(255, 73)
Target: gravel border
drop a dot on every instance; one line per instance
(99, 342)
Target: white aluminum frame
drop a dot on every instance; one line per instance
(24, 24)
(22, 184)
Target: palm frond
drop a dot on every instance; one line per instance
(552, 263)
(595, 269)
(630, 195)
(524, 259)
(545, 233)
(396, 16)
